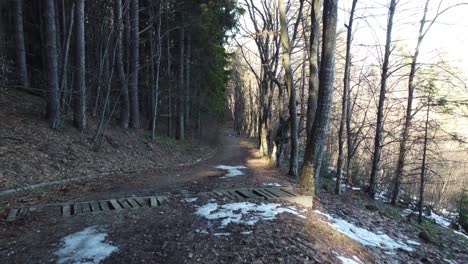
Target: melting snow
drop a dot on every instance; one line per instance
(271, 184)
(86, 246)
(190, 200)
(345, 260)
(365, 236)
(222, 234)
(246, 232)
(232, 171)
(243, 212)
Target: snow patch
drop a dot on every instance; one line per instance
(86, 246)
(345, 260)
(190, 200)
(243, 212)
(365, 236)
(246, 232)
(232, 171)
(275, 184)
(221, 234)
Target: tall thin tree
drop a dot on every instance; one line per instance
(345, 100)
(80, 71)
(315, 143)
(383, 91)
(20, 45)
(313, 64)
(53, 104)
(124, 100)
(133, 65)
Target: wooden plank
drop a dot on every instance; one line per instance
(162, 199)
(23, 212)
(124, 203)
(289, 193)
(66, 210)
(228, 195)
(133, 203)
(274, 192)
(248, 193)
(85, 208)
(76, 208)
(267, 195)
(115, 204)
(233, 193)
(95, 207)
(12, 214)
(142, 201)
(104, 206)
(153, 201)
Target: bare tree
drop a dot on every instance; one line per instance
(380, 109)
(53, 106)
(313, 64)
(80, 71)
(124, 100)
(20, 46)
(133, 65)
(345, 100)
(315, 143)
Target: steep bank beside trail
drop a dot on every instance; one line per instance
(32, 153)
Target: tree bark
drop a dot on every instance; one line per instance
(119, 67)
(80, 71)
(53, 104)
(313, 65)
(181, 93)
(423, 166)
(344, 105)
(289, 80)
(20, 46)
(133, 66)
(315, 143)
(383, 90)
(409, 114)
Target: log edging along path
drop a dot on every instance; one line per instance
(99, 175)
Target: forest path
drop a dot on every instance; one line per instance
(233, 150)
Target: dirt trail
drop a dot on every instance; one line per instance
(202, 176)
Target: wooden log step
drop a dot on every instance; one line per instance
(104, 206)
(265, 194)
(274, 192)
(115, 204)
(248, 194)
(76, 208)
(235, 194)
(228, 195)
(95, 207)
(66, 210)
(153, 201)
(141, 201)
(133, 203)
(124, 203)
(12, 214)
(85, 208)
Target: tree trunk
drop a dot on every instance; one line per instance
(383, 90)
(344, 106)
(181, 94)
(313, 65)
(289, 80)
(133, 66)
(409, 114)
(423, 165)
(80, 71)
(53, 104)
(119, 67)
(187, 82)
(316, 139)
(20, 46)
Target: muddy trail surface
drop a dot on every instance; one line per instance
(194, 228)
(179, 178)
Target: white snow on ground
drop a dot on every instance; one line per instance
(345, 260)
(438, 219)
(232, 171)
(412, 242)
(365, 236)
(243, 212)
(190, 200)
(221, 234)
(271, 184)
(86, 246)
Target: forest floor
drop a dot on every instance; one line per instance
(191, 228)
